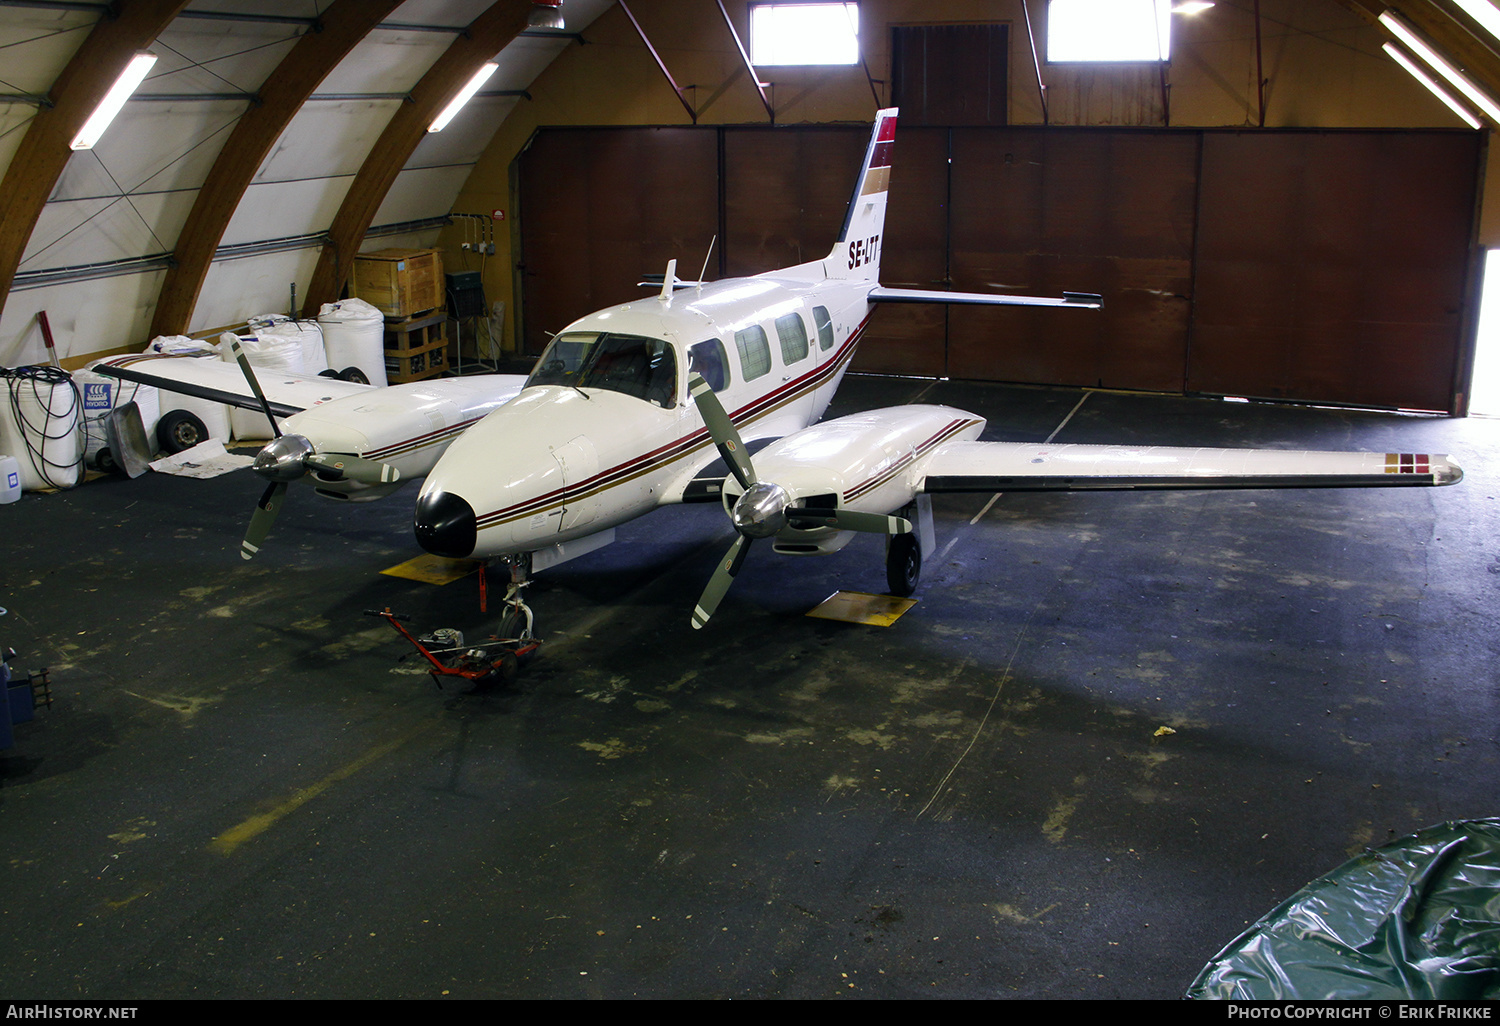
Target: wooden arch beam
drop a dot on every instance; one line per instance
(486, 36)
(44, 152)
(338, 30)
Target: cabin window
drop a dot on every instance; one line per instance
(755, 351)
(634, 365)
(710, 360)
(824, 324)
(793, 335)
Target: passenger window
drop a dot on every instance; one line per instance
(710, 360)
(755, 351)
(824, 325)
(793, 335)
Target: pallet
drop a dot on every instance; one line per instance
(415, 364)
(416, 332)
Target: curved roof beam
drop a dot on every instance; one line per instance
(486, 36)
(336, 32)
(39, 162)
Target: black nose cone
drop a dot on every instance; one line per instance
(445, 525)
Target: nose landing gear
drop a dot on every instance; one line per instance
(517, 620)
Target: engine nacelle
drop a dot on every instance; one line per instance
(869, 462)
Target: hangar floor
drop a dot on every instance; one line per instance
(244, 791)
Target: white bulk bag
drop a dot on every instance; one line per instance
(271, 353)
(354, 336)
(306, 335)
(41, 417)
(101, 394)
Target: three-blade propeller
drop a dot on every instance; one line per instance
(288, 457)
(764, 508)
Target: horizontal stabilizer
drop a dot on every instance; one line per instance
(655, 281)
(1083, 300)
(217, 395)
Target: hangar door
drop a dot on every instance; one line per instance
(1323, 266)
(601, 207)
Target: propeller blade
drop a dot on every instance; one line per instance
(723, 577)
(262, 519)
(722, 430)
(355, 468)
(244, 362)
(848, 520)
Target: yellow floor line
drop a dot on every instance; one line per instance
(253, 827)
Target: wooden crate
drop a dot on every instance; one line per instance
(415, 364)
(400, 283)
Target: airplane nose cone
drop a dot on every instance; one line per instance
(445, 525)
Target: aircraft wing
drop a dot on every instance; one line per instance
(1082, 300)
(1017, 466)
(208, 377)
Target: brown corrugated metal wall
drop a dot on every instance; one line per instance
(1318, 266)
(1332, 265)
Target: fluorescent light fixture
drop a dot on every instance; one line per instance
(1476, 96)
(1192, 6)
(134, 74)
(457, 103)
(1483, 12)
(1436, 90)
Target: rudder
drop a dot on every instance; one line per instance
(856, 254)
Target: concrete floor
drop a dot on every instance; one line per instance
(243, 790)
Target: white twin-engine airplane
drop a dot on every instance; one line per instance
(627, 407)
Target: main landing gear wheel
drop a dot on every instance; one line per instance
(179, 431)
(903, 564)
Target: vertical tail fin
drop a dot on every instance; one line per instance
(856, 255)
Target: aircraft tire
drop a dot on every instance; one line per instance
(512, 623)
(355, 375)
(178, 431)
(903, 564)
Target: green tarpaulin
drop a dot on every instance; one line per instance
(1418, 918)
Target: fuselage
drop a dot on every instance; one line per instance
(605, 430)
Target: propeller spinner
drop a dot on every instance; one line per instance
(764, 508)
(287, 458)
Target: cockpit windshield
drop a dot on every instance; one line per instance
(633, 364)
